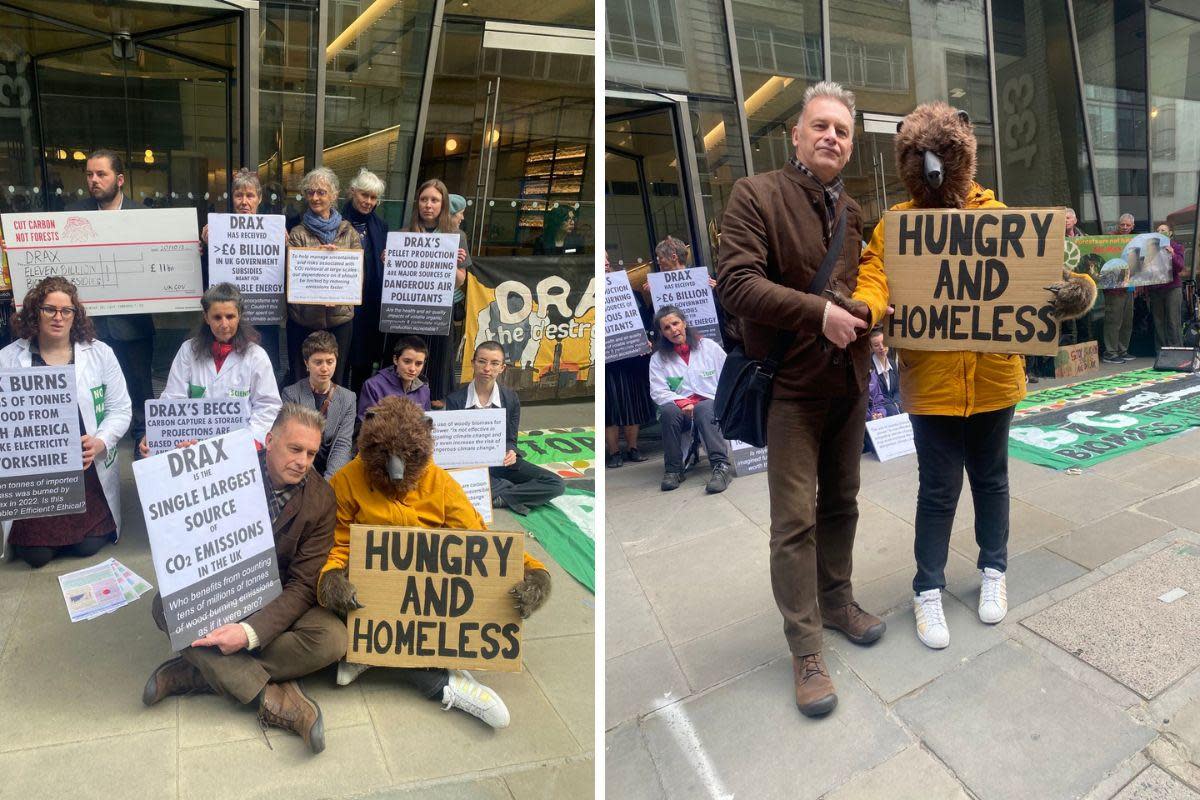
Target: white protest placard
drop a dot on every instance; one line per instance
(688, 290)
(476, 482)
(747, 459)
(132, 262)
(891, 437)
(418, 283)
(468, 438)
(169, 422)
(324, 277)
(41, 460)
(210, 534)
(249, 251)
(624, 336)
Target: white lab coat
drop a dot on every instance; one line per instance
(247, 374)
(671, 379)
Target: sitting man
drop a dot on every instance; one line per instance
(518, 484)
(402, 379)
(259, 659)
(393, 481)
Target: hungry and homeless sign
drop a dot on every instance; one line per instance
(468, 438)
(418, 283)
(973, 280)
(316, 276)
(624, 336)
(41, 459)
(170, 422)
(1118, 261)
(249, 251)
(210, 534)
(687, 289)
(435, 598)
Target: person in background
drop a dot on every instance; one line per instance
(360, 211)
(458, 213)
(53, 330)
(627, 403)
(672, 254)
(321, 227)
(1075, 330)
(884, 374)
(401, 379)
(335, 403)
(1118, 311)
(1166, 299)
(1071, 221)
(558, 234)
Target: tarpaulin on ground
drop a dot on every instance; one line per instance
(542, 311)
(566, 528)
(1090, 422)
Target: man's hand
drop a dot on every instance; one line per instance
(93, 448)
(229, 638)
(337, 593)
(841, 327)
(689, 410)
(510, 458)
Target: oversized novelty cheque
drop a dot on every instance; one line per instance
(317, 276)
(687, 289)
(1119, 261)
(41, 459)
(135, 262)
(249, 251)
(973, 280)
(170, 422)
(418, 283)
(624, 336)
(435, 598)
(210, 534)
(469, 438)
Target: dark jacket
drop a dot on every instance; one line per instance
(117, 327)
(387, 383)
(337, 439)
(457, 401)
(366, 316)
(771, 249)
(890, 394)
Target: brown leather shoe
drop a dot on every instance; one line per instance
(285, 705)
(814, 690)
(171, 678)
(857, 625)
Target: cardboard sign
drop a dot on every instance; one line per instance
(624, 336)
(1076, 359)
(687, 289)
(41, 461)
(418, 283)
(1118, 261)
(747, 459)
(210, 534)
(973, 280)
(435, 598)
(891, 437)
(324, 277)
(469, 438)
(132, 262)
(250, 251)
(169, 422)
(476, 482)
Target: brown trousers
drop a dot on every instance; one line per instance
(814, 448)
(314, 641)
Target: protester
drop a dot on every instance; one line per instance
(627, 403)
(259, 659)
(558, 234)
(775, 233)
(1071, 224)
(1166, 300)
(884, 374)
(684, 370)
(53, 329)
(672, 254)
(360, 211)
(518, 484)
(335, 403)
(402, 379)
(458, 212)
(1076, 330)
(321, 227)
(1118, 311)
(223, 359)
(394, 482)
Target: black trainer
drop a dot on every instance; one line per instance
(671, 481)
(719, 482)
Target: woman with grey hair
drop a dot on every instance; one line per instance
(322, 226)
(359, 210)
(672, 254)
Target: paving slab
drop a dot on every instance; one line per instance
(911, 774)
(1156, 784)
(747, 739)
(1084, 498)
(1029, 574)
(565, 670)
(134, 765)
(571, 608)
(574, 779)
(640, 681)
(895, 590)
(732, 650)
(1101, 541)
(630, 622)
(1186, 444)
(883, 542)
(1024, 477)
(672, 518)
(899, 496)
(1058, 737)
(1178, 508)
(13, 578)
(1121, 627)
(629, 771)
(1028, 527)
(476, 789)
(1184, 727)
(752, 496)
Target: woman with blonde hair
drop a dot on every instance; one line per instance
(360, 211)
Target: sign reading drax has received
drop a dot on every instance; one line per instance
(210, 534)
(418, 283)
(435, 598)
(41, 462)
(248, 250)
(688, 290)
(973, 280)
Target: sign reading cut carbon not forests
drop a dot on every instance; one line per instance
(973, 280)
(41, 460)
(210, 534)
(624, 336)
(169, 422)
(687, 289)
(247, 250)
(435, 598)
(418, 283)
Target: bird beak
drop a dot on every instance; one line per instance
(933, 170)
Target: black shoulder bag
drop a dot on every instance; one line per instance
(744, 388)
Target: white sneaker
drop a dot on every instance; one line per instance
(931, 621)
(464, 692)
(993, 596)
(348, 673)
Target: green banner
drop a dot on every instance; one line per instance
(556, 445)
(1118, 261)
(566, 528)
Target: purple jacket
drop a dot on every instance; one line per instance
(1177, 267)
(386, 383)
(875, 401)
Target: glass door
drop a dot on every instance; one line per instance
(870, 176)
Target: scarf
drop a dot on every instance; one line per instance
(221, 351)
(355, 217)
(324, 229)
(684, 352)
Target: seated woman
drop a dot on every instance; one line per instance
(684, 371)
(223, 359)
(336, 403)
(54, 330)
(402, 379)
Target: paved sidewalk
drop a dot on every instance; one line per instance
(1089, 688)
(72, 723)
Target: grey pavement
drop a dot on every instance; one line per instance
(1090, 687)
(72, 723)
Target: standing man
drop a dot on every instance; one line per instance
(1118, 311)
(776, 230)
(131, 336)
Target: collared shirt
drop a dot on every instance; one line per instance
(277, 498)
(832, 191)
(493, 400)
(881, 369)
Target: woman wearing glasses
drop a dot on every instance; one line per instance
(54, 330)
(322, 227)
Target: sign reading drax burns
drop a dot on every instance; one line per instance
(973, 280)
(435, 598)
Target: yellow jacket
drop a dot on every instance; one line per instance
(437, 501)
(956, 383)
